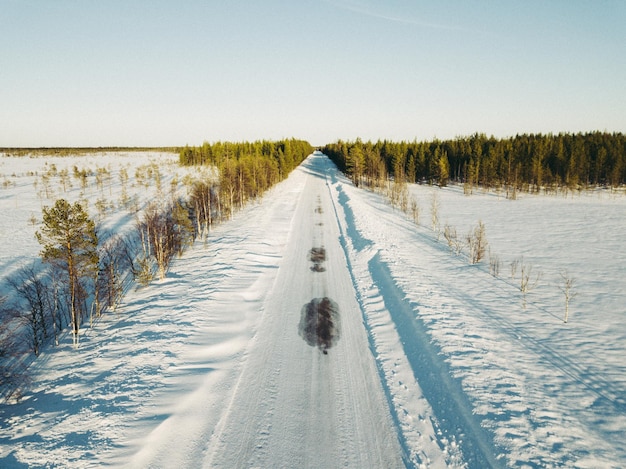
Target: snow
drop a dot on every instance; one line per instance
(23, 193)
(433, 362)
(552, 393)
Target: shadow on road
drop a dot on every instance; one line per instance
(319, 323)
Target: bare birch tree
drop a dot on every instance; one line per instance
(527, 283)
(31, 287)
(566, 288)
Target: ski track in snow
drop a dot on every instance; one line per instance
(425, 361)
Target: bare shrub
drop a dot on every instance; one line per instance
(525, 279)
(527, 282)
(449, 233)
(566, 288)
(400, 194)
(415, 210)
(477, 243)
(494, 264)
(64, 179)
(434, 213)
(404, 198)
(514, 266)
(454, 242)
(467, 188)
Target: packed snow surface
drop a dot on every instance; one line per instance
(322, 328)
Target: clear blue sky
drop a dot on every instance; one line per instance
(156, 72)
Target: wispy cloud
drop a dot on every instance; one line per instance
(365, 9)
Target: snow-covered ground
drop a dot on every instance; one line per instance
(116, 186)
(431, 362)
(552, 394)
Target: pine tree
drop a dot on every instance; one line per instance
(70, 242)
(443, 169)
(355, 163)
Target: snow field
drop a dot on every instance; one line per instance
(436, 363)
(30, 183)
(547, 400)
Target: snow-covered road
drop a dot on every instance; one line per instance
(301, 388)
(309, 394)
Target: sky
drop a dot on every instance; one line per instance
(172, 73)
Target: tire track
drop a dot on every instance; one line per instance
(296, 406)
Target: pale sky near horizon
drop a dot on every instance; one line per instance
(161, 73)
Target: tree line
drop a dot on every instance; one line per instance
(529, 162)
(76, 151)
(287, 153)
(246, 170)
(83, 272)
